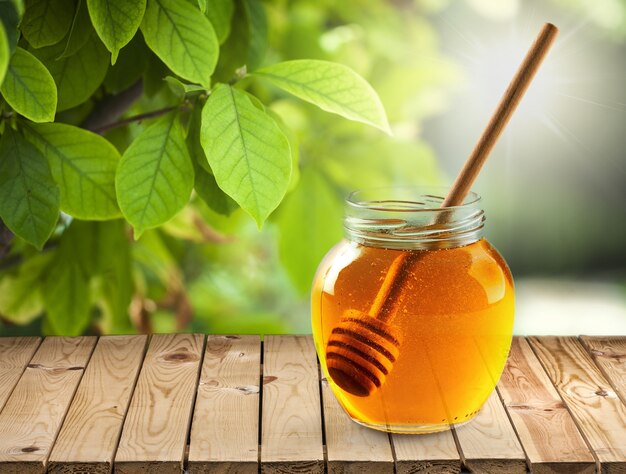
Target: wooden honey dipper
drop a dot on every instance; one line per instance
(362, 349)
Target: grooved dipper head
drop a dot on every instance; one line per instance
(360, 353)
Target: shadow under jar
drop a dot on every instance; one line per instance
(428, 352)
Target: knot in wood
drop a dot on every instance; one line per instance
(269, 379)
(180, 356)
(601, 392)
(546, 407)
(247, 389)
(610, 354)
(30, 449)
(52, 370)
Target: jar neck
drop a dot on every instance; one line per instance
(411, 218)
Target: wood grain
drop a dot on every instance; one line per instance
(350, 447)
(224, 430)
(157, 423)
(596, 408)
(15, 353)
(544, 426)
(291, 439)
(609, 353)
(89, 436)
(34, 412)
(488, 443)
(434, 453)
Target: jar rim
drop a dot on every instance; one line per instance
(404, 217)
(435, 193)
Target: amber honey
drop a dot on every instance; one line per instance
(454, 319)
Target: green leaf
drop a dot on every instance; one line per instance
(332, 87)
(102, 252)
(29, 198)
(257, 27)
(180, 89)
(46, 22)
(79, 32)
(29, 88)
(20, 295)
(248, 153)
(155, 175)
(4, 52)
(78, 76)
(66, 298)
(130, 65)
(10, 16)
(234, 51)
(66, 294)
(389, 160)
(182, 37)
(208, 190)
(83, 164)
(116, 21)
(114, 290)
(156, 70)
(205, 185)
(310, 223)
(294, 148)
(193, 139)
(220, 13)
(156, 263)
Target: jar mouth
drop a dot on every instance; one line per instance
(411, 217)
(407, 199)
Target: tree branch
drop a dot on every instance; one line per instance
(112, 107)
(134, 118)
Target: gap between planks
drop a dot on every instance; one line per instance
(15, 354)
(542, 420)
(291, 436)
(598, 412)
(90, 434)
(156, 429)
(609, 354)
(597, 368)
(43, 394)
(228, 401)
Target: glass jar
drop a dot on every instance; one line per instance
(412, 313)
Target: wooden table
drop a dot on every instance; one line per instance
(234, 403)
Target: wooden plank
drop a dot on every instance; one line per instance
(157, 423)
(34, 412)
(488, 443)
(88, 439)
(350, 447)
(434, 453)
(291, 439)
(609, 353)
(15, 353)
(543, 423)
(225, 426)
(598, 412)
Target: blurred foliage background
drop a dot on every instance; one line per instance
(554, 190)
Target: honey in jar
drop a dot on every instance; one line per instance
(440, 349)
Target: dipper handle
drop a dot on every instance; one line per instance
(383, 307)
